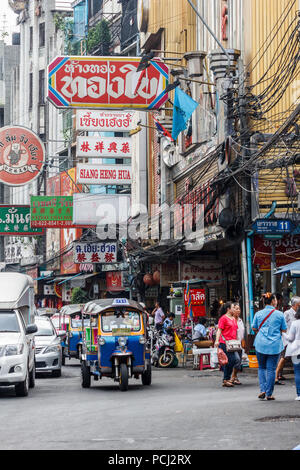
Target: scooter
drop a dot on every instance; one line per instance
(163, 350)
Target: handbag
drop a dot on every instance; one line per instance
(222, 357)
(232, 345)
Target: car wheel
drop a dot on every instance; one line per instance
(56, 373)
(32, 377)
(22, 388)
(63, 357)
(85, 376)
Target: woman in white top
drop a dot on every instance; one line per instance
(293, 349)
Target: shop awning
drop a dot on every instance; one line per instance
(79, 276)
(292, 268)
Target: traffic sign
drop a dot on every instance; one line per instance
(273, 226)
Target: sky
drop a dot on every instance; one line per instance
(11, 18)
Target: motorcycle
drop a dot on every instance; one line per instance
(162, 347)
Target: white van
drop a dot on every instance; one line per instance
(17, 328)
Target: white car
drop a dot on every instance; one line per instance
(48, 350)
(16, 352)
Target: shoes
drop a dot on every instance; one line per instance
(262, 396)
(277, 382)
(227, 383)
(282, 378)
(236, 382)
(297, 398)
(270, 398)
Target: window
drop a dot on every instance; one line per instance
(42, 35)
(30, 90)
(9, 323)
(30, 38)
(42, 87)
(44, 328)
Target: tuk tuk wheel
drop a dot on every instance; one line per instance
(147, 376)
(85, 376)
(123, 378)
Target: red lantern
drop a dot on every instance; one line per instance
(156, 277)
(148, 279)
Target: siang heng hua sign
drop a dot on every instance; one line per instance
(107, 82)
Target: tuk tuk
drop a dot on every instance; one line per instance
(61, 322)
(115, 342)
(73, 342)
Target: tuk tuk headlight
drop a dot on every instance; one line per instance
(122, 341)
(101, 341)
(142, 340)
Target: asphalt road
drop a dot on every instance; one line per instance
(182, 409)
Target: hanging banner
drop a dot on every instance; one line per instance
(103, 121)
(95, 252)
(114, 281)
(51, 211)
(108, 147)
(15, 220)
(22, 156)
(198, 302)
(103, 174)
(107, 82)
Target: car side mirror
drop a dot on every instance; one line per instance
(31, 329)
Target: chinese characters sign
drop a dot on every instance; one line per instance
(51, 211)
(103, 121)
(15, 220)
(22, 156)
(103, 174)
(95, 252)
(106, 82)
(108, 147)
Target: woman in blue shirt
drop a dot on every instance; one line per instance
(269, 324)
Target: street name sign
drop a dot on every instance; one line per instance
(107, 82)
(273, 226)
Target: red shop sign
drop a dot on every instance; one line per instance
(22, 155)
(107, 82)
(198, 302)
(287, 251)
(114, 281)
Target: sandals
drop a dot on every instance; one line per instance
(270, 398)
(227, 383)
(236, 382)
(282, 378)
(277, 382)
(262, 396)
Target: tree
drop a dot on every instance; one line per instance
(99, 36)
(79, 296)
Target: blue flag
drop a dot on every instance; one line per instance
(184, 106)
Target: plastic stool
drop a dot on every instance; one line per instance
(201, 362)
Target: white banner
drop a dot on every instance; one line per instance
(103, 121)
(108, 147)
(95, 253)
(103, 174)
(94, 209)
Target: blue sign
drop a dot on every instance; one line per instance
(120, 302)
(273, 226)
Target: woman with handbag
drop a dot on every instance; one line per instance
(241, 338)
(226, 339)
(269, 324)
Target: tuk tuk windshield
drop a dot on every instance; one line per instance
(116, 322)
(77, 323)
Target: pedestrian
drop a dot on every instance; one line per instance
(159, 316)
(169, 322)
(269, 324)
(227, 330)
(289, 316)
(241, 338)
(293, 349)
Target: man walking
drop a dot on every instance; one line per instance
(159, 316)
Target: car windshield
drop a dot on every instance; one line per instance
(117, 322)
(9, 323)
(44, 328)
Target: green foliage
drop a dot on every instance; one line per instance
(79, 296)
(99, 36)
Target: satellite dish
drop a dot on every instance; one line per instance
(170, 153)
(226, 218)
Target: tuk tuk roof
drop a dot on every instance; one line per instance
(97, 306)
(72, 309)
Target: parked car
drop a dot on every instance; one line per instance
(17, 311)
(48, 350)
